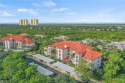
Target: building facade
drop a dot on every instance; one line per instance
(74, 51)
(34, 22)
(23, 22)
(17, 42)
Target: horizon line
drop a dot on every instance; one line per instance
(67, 23)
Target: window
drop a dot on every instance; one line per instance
(68, 50)
(77, 56)
(68, 53)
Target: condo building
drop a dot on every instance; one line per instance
(74, 52)
(23, 22)
(34, 22)
(17, 42)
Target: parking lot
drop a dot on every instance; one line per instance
(48, 66)
(30, 60)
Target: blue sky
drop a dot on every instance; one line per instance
(63, 11)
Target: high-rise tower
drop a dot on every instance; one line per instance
(23, 22)
(34, 22)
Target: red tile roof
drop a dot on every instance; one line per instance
(18, 38)
(91, 55)
(28, 41)
(66, 59)
(46, 47)
(78, 47)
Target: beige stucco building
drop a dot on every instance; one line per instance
(74, 51)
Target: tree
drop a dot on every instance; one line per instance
(30, 71)
(18, 76)
(35, 47)
(85, 69)
(1, 44)
(119, 79)
(123, 62)
(98, 73)
(62, 78)
(72, 55)
(38, 78)
(112, 66)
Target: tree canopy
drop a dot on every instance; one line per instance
(85, 69)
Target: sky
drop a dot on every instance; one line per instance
(63, 11)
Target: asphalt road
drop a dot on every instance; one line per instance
(30, 60)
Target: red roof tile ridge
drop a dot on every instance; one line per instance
(91, 55)
(18, 38)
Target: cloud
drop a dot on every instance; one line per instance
(45, 3)
(49, 3)
(5, 14)
(36, 4)
(23, 10)
(30, 11)
(59, 10)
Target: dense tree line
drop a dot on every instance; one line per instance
(76, 34)
(102, 27)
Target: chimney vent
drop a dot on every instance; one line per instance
(65, 46)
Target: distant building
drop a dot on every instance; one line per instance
(17, 42)
(119, 45)
(34, 22)
(23, 22)
(89, 41)
(62, 37)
